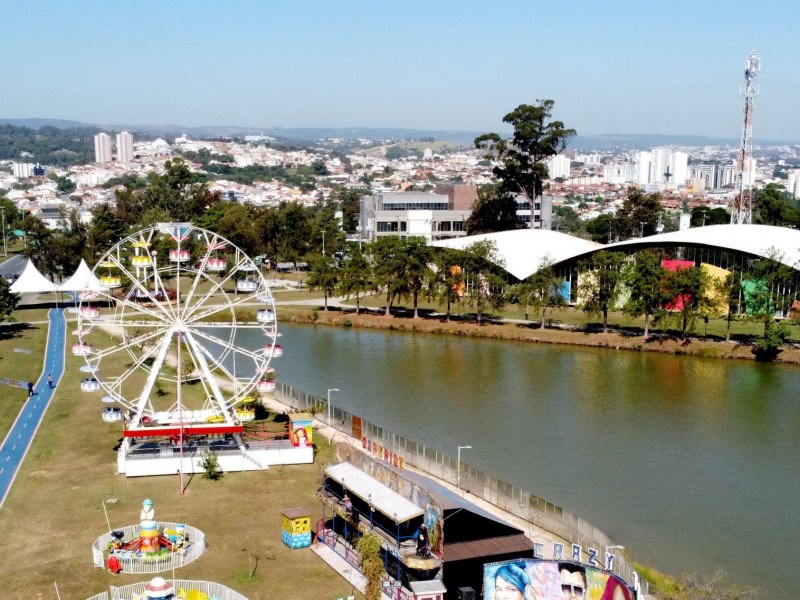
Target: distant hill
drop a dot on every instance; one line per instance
(609, 141)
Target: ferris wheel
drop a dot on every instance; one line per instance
(178, 325)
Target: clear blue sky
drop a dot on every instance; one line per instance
(616, 66)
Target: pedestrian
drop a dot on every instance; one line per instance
(30, 389)
(50, 380)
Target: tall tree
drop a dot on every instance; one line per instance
(644, 278)
(601, 287)
(418, 256)
(388, 255)
(107, 229)
(484, 284)
(520, 162)
(727, 289)
(324, 275)
(493, 210)
(8, 301)
(356, 279)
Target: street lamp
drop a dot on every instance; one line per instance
(458, 467)
(5, 247)
(329, 405)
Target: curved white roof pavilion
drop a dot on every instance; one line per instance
(780, 243)
(524, 251)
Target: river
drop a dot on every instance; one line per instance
(691, 463)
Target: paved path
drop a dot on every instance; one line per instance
(19, 438)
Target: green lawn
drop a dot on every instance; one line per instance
(54, 510)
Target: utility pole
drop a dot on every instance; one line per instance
(5, 246)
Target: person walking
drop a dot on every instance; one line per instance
(50, 380)
(30, 389)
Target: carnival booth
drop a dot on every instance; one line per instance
(300, 430)
(296, 532)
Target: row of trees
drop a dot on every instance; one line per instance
(640, 285)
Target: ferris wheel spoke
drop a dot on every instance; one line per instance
(198, 353)
(217, 308)
(200, 275)
(229, 345)
(127, 344)
(159, 284)
(216, 286)
(155, 370)
(137, 364)
(138, 284)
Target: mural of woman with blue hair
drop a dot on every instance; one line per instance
(511, 582)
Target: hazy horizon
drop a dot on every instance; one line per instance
(616, 68)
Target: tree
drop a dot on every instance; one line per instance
(644, 278)
(107, 229)
(356, 277)
(601, 285)
(418, 256)
(493, 210)
(8, 301)
(447, 278)
(773, 205)
(324, 276)
(369, 548)
(638, 215)
(727, 288)
(599, 228)
(484, 285)
(687, 290)
(541, 290)
(388, 255)
(520, 162)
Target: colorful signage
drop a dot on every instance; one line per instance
(552, 580)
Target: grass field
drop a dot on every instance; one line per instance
(54, 510)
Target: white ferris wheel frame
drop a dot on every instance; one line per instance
(157, 321)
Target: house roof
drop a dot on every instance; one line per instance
(382, 498)
(524, 251)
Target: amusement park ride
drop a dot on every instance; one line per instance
(161, 336)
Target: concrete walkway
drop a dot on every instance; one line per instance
(19, 438)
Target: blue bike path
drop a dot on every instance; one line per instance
(19, 438)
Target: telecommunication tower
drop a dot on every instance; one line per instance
(742, 211)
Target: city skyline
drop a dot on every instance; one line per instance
(627, 68)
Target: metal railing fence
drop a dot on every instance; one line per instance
(133, 564)
(534, 510)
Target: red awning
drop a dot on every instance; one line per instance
(170, 430)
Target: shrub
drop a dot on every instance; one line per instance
(210, 464)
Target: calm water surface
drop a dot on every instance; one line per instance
(692, 464)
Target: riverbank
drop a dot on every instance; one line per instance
(531, 332)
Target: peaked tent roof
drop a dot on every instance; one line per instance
(83, 280)
(31, 281)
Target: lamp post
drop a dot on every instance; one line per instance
(458, 467)
(330, 413)
(323, 242)
(5, 246)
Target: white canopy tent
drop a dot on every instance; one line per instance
(83, 280)
(31, 282)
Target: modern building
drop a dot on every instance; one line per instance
(102, 148)
(559, 166)
(124, 147)
(542, 211)
(407, 214)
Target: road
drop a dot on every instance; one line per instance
(19, 438)
(15, 264)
